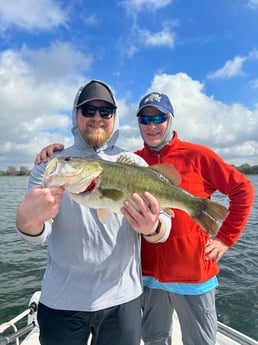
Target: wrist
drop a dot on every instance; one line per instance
(32, 233)
(28, 226)
(157, 230)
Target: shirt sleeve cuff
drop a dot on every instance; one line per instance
(40, 238)
(168, 222)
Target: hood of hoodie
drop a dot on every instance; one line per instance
(167, 136)
(79, 142)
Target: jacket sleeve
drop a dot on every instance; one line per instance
(240, 192)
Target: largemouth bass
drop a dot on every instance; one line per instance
(105, 185)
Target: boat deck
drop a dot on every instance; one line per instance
(225, 336)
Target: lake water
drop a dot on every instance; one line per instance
(22, 265)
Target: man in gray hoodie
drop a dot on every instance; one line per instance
(92, 282)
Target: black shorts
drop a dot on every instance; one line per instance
(118, 325)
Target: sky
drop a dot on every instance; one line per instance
(203, 54)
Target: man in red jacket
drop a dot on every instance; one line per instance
(180, 274)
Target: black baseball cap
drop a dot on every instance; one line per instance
(96, 90)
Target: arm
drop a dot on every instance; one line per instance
(47, 152)
(240, 192)
(38, 206)
(240, 201)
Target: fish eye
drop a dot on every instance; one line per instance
(67, 159)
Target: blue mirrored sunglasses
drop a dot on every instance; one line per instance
(90, 111)
(156, 119)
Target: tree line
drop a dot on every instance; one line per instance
(12, 171)
(23, 171)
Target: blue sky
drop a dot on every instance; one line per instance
(203, 54)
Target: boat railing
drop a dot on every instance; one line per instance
(235, 336)
(17, 333)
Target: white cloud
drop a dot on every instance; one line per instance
(254, 84)
(232, 68)
(253, 55)
(202, 119)
(36, 114)
(89, 19)
(165, 38)
(57, 61)
(30, 15)
(36, 93)
(139, 38)
(253, 4)
(142, 38)
(133, 6)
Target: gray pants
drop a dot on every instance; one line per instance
(196, 314)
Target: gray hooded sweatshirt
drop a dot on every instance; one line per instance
(91, 266)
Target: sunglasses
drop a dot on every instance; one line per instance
(156, 119)
(90, 111)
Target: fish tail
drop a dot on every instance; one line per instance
(211, 216)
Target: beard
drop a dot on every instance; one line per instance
(96, 133)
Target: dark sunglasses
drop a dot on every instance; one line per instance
(156, 119)
(90, 111)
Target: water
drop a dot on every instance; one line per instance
(22, 265)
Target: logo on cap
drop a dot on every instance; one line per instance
(153, 97)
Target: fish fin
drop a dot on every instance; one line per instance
(211, 216)
(103, 215)
(123, 159)
(168, 171)
(113, 194)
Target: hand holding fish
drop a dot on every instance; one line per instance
(215, 249)
(40, 205)
(144, 219)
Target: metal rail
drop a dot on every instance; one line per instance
(7, 339)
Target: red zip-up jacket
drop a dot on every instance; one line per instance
(182, 257)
